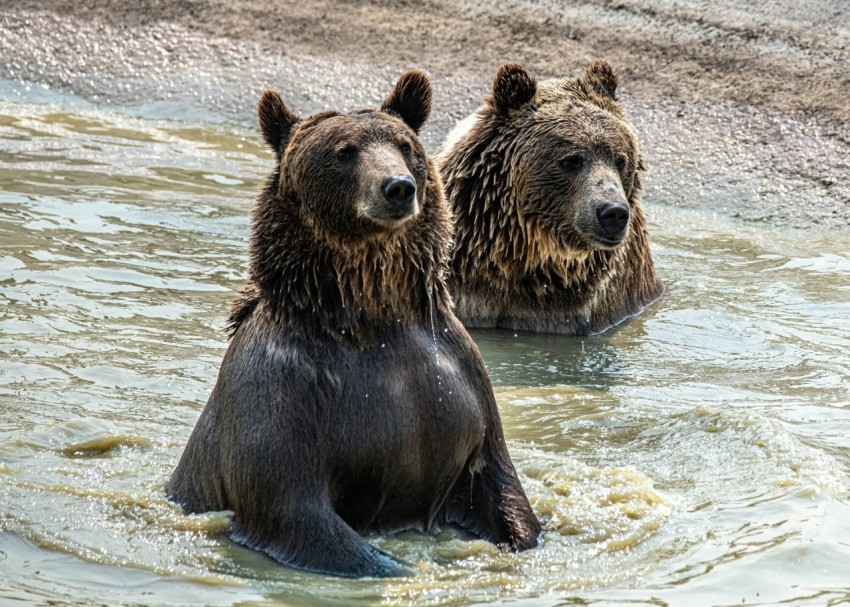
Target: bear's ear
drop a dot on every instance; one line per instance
(276, 121)
(512, 87)
(599, 77)
(410, 99)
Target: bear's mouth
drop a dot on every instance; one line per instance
(589, 240)
(391, 215)
(391, 220)
(608, 242)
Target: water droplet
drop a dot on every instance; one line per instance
(434, 337)
(383, 345)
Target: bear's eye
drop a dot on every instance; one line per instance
(405, 148)
(621, 164)
(572, 163)
(346, 153)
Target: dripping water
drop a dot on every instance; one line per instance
(434, 338)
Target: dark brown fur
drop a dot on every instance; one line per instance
(525, 183)
(351, 399)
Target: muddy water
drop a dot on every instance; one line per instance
(697, 455)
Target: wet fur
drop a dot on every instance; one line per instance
(514, 267)
(350, 400)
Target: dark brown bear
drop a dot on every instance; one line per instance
(544, 182)
(351, 400)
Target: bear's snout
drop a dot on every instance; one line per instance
(613, 219)
(400, 194)
(388, 191)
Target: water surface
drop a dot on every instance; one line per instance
(697, 454)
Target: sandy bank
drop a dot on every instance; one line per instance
(738, 108)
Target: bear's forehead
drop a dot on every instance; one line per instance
(358, 125)
(574, 110)
(579, 120)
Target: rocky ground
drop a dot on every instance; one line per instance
(739, 107)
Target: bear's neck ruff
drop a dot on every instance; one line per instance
(343, 287)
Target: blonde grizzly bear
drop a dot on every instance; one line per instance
(351, 400)
(544, 181)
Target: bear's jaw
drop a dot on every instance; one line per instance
(387, 218)
(603, 242)
(606, 243)
(533, 244)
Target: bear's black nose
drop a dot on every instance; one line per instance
(400, 191)
(612, 217)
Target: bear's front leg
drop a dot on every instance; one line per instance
(488, 500)
(310, 536)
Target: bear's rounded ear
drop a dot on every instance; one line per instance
(600, 78)
(512, 87)
(410, 99)
(276, 121)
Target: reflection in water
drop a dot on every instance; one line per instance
(695, 455)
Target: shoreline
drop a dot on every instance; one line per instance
(779, 162)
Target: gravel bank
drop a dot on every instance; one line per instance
(738, 108)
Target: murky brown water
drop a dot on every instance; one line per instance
(697, 455)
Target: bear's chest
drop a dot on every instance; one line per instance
(414, 416)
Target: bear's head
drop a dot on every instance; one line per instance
(352, 224)
(559, 156)
(354, 174)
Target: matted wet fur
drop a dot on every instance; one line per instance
(544, 181)
(350, 399)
